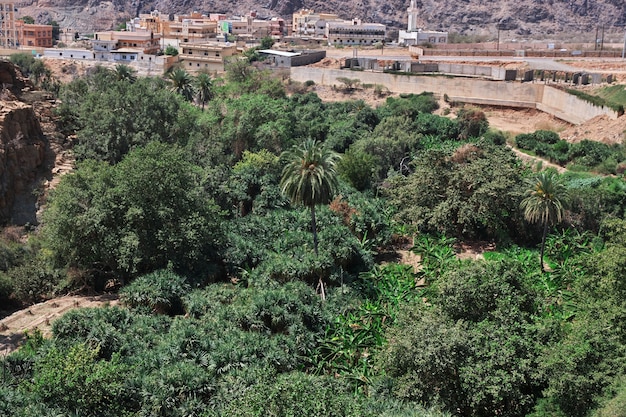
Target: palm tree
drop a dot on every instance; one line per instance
(181, 83)
(545, 202)
(204, 88)
(124, 72)
(310, 178)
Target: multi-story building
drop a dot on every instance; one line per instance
(200, 57)
(355, 33)
(252, 28)
(144, 41)
(308, 23)
(190, 28)
(415, 35)
(33, 35)
(8, 33)
(277, 27)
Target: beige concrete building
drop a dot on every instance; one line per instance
(201, 57)
(8, 32)
(354, 33)
(194, 27)
(308, 23)
(144, 41)
(249, 27)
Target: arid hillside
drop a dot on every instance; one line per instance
(521, 18)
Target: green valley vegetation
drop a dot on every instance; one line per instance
(195, 196)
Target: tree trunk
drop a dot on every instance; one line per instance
(543, 242)
(320, 284)
(314, 228)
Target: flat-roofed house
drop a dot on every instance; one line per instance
(354, 32)
(202, 57)
(33, 35)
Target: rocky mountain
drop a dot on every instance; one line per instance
(27, 130)
(520, 17)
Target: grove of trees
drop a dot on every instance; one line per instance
(221, 209)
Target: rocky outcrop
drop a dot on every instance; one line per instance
(464, 16)
(23, 145)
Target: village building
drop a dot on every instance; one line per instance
(33, 35)
(194, 27)
(308, 23)
(250, 28)
(144, 41)
(8, 32)
(417, 36)
(205, 57)
(286, 59)
(355, 32)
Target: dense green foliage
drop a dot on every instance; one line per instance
(586, 154)
(145, 213)
(177, 199)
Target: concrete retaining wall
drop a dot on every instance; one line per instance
(570, 108)
(511, 94)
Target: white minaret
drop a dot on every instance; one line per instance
(412, 10)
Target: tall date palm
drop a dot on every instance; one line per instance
(309, 177)
(204, 88)
(181, 82)
(544, 201)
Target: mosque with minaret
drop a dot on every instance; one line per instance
(415, 35)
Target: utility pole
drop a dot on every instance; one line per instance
(624, 48)
(498, 41)
(602, 40)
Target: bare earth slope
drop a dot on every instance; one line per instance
(41, 316)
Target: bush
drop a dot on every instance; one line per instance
(160, 292)
(296, 394)
(34, 280)
(472, 123)
(589, 153)
(6, 286)
(526, 141)
(76, 380)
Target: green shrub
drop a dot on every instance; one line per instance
(357, 168)
(6, 286)
(76, 380)
(589, 153)
(160, 292)
(34, 280)
(296, 394)
(546, 136)
(526, 141)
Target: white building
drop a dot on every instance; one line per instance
(354, 33)
(416, 36)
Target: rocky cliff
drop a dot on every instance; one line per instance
(521, 17)
(23, 148)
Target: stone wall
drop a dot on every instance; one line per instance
(478, 91)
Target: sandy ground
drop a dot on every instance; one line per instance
(41, 316)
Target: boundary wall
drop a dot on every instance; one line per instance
(487, 92)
